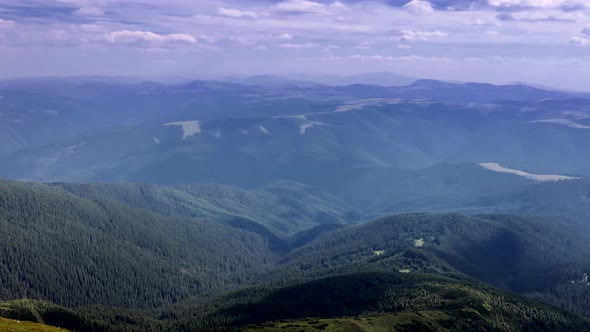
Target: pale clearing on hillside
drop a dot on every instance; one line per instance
(562, 122)
(418, 243)
(580, 115)
(70, 150)
(189, 128)
(263, 130)
(534, 177)
(379, 252)
(358, 105)
(351, 106)
(303, 128)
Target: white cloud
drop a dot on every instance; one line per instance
(299, 6)
(565, 4)
(375, 57)
(89, 11)
(299, 46)
(487, 21)
(91, 28)
(337, 4)
(126, 36)
(180, 37)
(365, 45)
(227, 35)
(579, 40)
(7, 23)
(387, 58)
(306, 6)
(410, 35)
(419, 7)
(541, 16)
(583, 38)
(236, 13)
(285, 36)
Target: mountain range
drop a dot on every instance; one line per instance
(271, 203)
(197, 132)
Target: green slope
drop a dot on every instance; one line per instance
(454, 235)
(10, 325)
(545, 258)
(143, 258)
(406, 302)
(113, 254)
(283, 208)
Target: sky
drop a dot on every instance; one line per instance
(545, 42)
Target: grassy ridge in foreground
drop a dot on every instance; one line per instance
(428, 320)
(419, 301)
(9, 325)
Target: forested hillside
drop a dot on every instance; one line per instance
(283, 208)
(113, 254)
(546, 258)
(145, 257)
(420, 303)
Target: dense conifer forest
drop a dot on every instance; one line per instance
(97, 258)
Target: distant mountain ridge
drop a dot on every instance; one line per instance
(119, 132)
(378, 78)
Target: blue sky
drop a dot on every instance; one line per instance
(539, 41)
